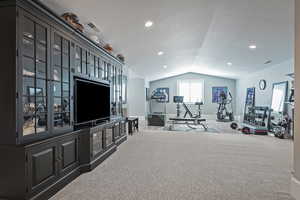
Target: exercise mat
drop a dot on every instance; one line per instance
(183, 127)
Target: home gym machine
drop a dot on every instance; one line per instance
(281, 118)
(224, 114)
(159, 99)
(256, 120)
(193, 120)
(255, 117)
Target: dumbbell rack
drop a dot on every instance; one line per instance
(255, 120)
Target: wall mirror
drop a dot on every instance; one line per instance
(279, 96)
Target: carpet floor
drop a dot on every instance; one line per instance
(195, 166)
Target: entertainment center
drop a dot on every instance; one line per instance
(61, 102)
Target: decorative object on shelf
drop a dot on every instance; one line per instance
(121, 57)
(262, 84)
(108, 48)
(72, 19)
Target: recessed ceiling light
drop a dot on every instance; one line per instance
(160, 53)
(229, 64)
(252, 46)
(148, 24)
(165, 66)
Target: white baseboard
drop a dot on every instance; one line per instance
(295, 188)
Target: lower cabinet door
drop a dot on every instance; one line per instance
(116, 131)
(68, 155)
(97, 142)
(108, 136)
(122, 128)
(42, 168)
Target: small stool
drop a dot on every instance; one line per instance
(133, 125)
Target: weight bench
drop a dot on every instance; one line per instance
(190, 122)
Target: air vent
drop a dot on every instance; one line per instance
(268, 62)
(93, 26)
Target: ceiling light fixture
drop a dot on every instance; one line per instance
(252, 46)
(165, 66)
(148, 24)
(229, 64)
(160, 53)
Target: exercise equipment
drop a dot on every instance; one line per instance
(280, 122)
(193, 120)
(159, 99)
(224, 114)
(282, 127)
(256, 120)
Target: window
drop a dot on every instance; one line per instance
(192, 90)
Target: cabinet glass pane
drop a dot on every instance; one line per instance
(57, 120)
(65, 60)
(57, 105)
(41, 89)
(57, 58)
(65, 105)
(66, 119)
(41, 70)
(66, 77)
(57, 73)
(28, 86)
(92, 65)
(83, 69)
(66, 90)
(28, 125)
(78, 65)
(65, 46)
(28, 116)
(28, 47)
(57, 89)
(57, 43)
(41, 34)
(83, 55)
(41, 52)
(28, 28)
(28, 67)
(28, 105)
(34, 60)
(41, 104)
(78, 53)
(41, 122)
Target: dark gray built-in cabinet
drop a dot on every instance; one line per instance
(41, 148)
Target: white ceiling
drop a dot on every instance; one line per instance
(196, 35)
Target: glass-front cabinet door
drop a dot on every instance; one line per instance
(61, 94)
(34, 80)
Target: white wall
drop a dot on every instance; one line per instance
(295, 183)
(209, 108)
(136, 95)
(274, 74)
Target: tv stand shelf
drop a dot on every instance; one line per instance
(41, 147)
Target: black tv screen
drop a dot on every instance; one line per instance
(92, 101)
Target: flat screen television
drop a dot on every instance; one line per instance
(92, 101)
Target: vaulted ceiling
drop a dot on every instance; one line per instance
(200, 36)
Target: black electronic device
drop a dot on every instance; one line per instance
(92, 101)
(178, 99)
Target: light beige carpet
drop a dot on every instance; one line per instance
(179, 166)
